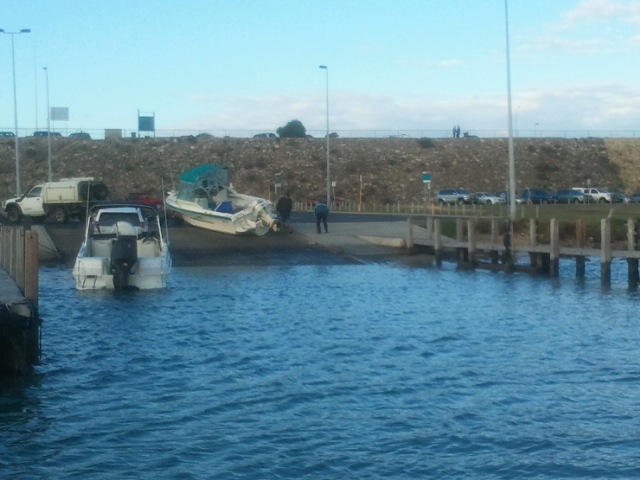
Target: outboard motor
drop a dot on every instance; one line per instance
(124, 255)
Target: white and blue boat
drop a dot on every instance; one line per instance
(206, 199)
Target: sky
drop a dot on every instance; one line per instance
(251, 66)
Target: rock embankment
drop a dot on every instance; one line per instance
(375, 170)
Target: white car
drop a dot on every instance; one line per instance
(487, 198)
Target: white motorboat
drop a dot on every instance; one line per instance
(124, 247)
(205, 199)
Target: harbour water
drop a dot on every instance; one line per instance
(376, 371)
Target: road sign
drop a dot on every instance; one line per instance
(426, 177)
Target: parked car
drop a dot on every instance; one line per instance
(536, 195)
(505, 195)
(83, 135)
(146, 199)
(7, 134)
(311, 201)
(634, 197)
(265, 135)
(452, 196)
(568, 195)
(595, 195)
(43, 133)
(619, 197)
(487, 198)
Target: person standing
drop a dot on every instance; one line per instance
(284, 207)
(321, 211)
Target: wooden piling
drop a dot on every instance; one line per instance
(605, 251)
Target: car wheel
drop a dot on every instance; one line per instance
(602, 200)
(460, 201)
(441, 203)
(60, 215)
(14, 214)
(575, 200)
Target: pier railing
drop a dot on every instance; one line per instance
(493, 242)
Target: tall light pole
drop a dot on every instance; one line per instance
(512, 168)
(15, 103)
(48, 126)
(326, 69)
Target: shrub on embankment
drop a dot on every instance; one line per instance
(380, 170)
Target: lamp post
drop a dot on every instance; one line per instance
(512, 172)
(15, 103)
(48, 126)
(326, 69)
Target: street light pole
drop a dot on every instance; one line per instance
(48, 126)
(512, 173)
(15, 103)
(324, 67)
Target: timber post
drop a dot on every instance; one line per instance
(437, 240)
(581, 241)
(554, 254)
(632, 263)
(605, 251)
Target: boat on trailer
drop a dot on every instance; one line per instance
(124, 247)
(206, 199)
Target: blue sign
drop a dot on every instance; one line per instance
(426, 177)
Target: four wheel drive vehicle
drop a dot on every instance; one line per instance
(595, 195)
(62, 200)
(84, 135)
(7, 134)
(568, 195)
(487, 198)
(536, 195)
(452, 196)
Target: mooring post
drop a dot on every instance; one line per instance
(410, 233)
(605, 249)
(471, 241)
(437, 241)
(581, 241)
(632, 263)
(459, 230)
(554, 251)
(494, 240)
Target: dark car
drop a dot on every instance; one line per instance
(619, 197)
(84, 135)
(7, 134)
(43, 133)
(536, 195)
(634, 197)
(568, 196)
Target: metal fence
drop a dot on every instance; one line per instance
(101, 133)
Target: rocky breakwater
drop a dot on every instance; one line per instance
(380, 170)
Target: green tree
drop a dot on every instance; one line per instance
(293, 129)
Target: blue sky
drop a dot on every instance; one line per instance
(252, 65)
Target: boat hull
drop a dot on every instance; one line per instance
(253, 220)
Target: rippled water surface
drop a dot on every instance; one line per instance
(332, 371)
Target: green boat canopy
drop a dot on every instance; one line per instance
(203, 177)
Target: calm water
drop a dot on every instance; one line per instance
(337, 371)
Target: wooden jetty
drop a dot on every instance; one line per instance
(19, 320)
(496, 249)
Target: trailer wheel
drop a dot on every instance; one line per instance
(60, 215)
(14, 214)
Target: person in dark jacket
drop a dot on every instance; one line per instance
(284, 207)
(321, 211)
